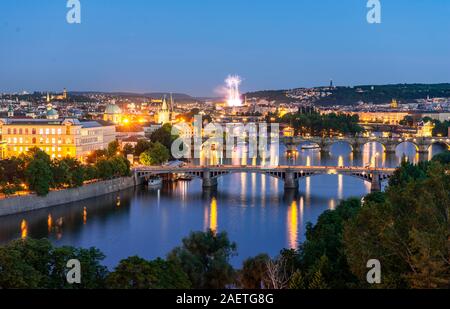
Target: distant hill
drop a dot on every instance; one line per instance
(377, 94)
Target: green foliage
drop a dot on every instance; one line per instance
(443, 157)
(408, 233)
(128, 149)
(204, 257)
(157, 154)
(254, 272)
(37, 264)
(164, 136)
(142, 146)
(67, 172)
(113, 148)
(324, 241)
(39, 176)
(132, 273)
(326, 124)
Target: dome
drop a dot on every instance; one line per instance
(112, 109)
(52, 112)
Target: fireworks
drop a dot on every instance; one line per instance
(234, 97)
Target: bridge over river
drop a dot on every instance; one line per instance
(290, 175)
(422, 144)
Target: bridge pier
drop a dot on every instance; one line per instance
(357, 148)
(376, 183)
(290, 182)
(390, 147)
(208, 181)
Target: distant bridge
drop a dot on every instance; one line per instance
(422, 144)
(289, 174)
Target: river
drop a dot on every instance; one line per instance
(254, 209)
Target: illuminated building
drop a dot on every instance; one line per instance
(113, 113)
(57, 137)
(425, 129)
(62, 96)
(10, 111)
(164, 113)
(51, 113)
(381, 117)
(394, 104)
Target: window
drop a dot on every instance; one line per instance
(26, 131)
(53, 140)
(41, 131)
(20, 140)
(47, 131)
(20, 131)
(15, 131)
(15, 140)
(53, 131)
(9, 131)
(34, 140)
(33, 131)
(59, 131)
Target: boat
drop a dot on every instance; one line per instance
(310, 146)
(154, 181)
(184, 177)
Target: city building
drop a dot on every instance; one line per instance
(425, 129)
(113, 113)
(381, 117)
(164, 113)
(58, 138)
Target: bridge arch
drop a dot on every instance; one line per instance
(443, 143)
(408, 142)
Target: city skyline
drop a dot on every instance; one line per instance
(192, 47)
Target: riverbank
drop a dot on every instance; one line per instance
(20, 204)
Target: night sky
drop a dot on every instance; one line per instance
(191, 46)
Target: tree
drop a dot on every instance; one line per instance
(132, 273)
(163, 135)
(408, 233)
(443, 157)
(142, 146)
(137, 273)
(324, 241)
(33, 263)
(128, 149)
(204, 257)
(254, 272)
(157, 154)
(113, 148)
(104, 168)
(39, 176)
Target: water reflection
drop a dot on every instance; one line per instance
(292, 219)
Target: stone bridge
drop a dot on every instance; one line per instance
(290, 175)
(422, 144)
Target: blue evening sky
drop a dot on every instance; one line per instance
(192, 45)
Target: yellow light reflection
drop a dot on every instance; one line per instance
(341, 161)
(293, 225)
(84, 215)
(49, 223)
(340, 186)
(23, 229)
(213, 215)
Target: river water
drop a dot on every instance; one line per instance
(254, 209)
